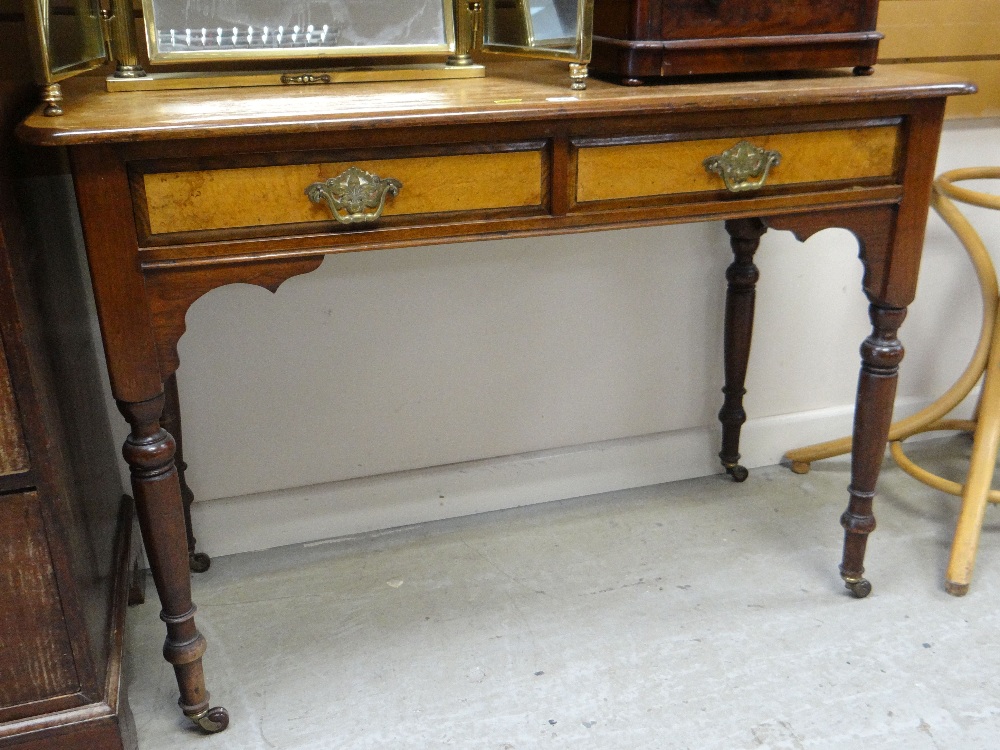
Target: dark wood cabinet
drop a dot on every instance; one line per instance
(65, 530)
(638, 40)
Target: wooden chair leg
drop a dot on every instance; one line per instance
(975, 493)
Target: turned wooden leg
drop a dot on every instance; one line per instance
(881, 354)
(742, 275)
(199, 562)
(149, 451)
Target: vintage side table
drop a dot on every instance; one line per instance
(183, 192)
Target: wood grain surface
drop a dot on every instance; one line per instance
(510, 93)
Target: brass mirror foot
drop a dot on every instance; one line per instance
(860, 587)
(211, 720)
(199, 562)
(578, 76)
(52, 96)
(738, 472)
(956, 589)
(129, 71)
(466, 23)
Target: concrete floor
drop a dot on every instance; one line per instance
(700, 614)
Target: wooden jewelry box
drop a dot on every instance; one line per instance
(649, 39)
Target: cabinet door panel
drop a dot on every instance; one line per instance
(13, 453)
(36, 658)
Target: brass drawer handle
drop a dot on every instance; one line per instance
(743, 167)
(354, 196)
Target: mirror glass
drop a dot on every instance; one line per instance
(246, 29)
(71, 34)
(542, 26)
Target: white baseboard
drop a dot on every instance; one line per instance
(308, 514)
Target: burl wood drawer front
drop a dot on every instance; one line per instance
(274, 195)
(667, 168)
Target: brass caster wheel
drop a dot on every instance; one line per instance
(737, 472)
(859, 587)
(863, 70)
(956, 589)
(199, 562)
(212, 720)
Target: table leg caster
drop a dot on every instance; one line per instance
(211, 720)
(737, 472)
(860, 587)
(199, 562)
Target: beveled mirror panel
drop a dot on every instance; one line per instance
(68, 38)
(206, 30)
(558, 29)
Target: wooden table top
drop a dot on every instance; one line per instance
(510, 91)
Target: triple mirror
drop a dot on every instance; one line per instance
(198, 43)
(206, 30)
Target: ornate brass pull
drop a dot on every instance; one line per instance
(354, 196)
(743, 167)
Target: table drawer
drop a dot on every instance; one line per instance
(261, 196)
(647, 169)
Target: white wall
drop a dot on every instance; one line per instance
(395, 387)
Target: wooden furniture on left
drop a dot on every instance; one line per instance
(184, 192)
(65, 531)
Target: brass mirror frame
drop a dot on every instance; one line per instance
(38, 18)
(157, 56)
(463, 30)
(578, 56)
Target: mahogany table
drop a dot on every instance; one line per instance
(183, 192)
